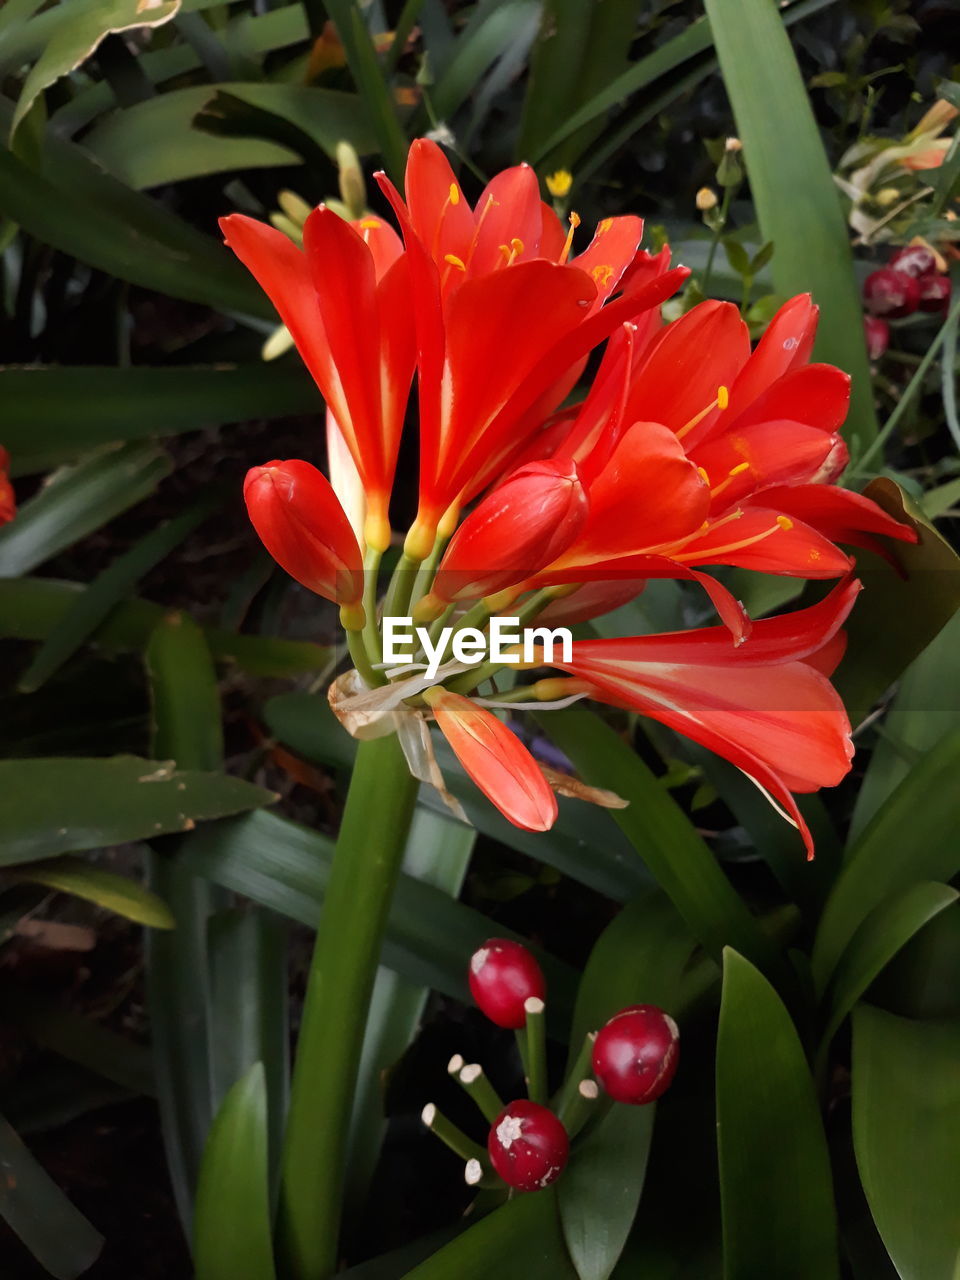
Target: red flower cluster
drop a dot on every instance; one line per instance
(689, 451)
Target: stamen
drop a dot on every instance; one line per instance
(370, 223)
(721, 402)
(738, 470)
(574, 221)
(511, 251)
(454, 261)
(747, 542)
(704, 475)
(454, 193)
(785, 523)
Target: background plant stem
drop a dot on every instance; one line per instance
(365, 866)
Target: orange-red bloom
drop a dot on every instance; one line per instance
(8, 505)
(344, 299)
(497, 762)
(300, 522)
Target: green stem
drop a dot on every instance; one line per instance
(534, 1052)
(397, 603)
(715, 242)
(476, 1084)
(371, 633)
(911, 389)
(425, 574)
(361, 659)
(366, 863)
(471, 680)
(580, 1070)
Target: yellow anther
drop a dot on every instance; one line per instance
(454, 193)
(723, 397)
(559, 183)
(512, 250)
(704, 475)
(784, 522)
(739, 469)
(604, 226)
(454, 261)
(602, 274)
(370, 223)
(574, 221)
(517, 245)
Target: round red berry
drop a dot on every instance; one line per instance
(528, 1146)
(878, 336)
(915, 260)
(635, 1055)
(891, 294)
(935, 293)
(503, 974)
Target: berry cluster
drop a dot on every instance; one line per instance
(911, 281)
(633, 1057)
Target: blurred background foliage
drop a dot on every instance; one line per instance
(140, 623)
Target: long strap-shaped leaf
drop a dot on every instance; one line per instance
(797, 202)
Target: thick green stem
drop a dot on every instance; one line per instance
(365, 866)
(371, 633)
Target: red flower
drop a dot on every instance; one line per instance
(344, 299)
(498, 763)
(768, 706)
(8, 505)
(300, 522)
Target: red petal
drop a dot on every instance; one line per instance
(439, 213)
(610, 253)
(817, 394)
(508, 210)
(785, 345)
(840, 514)
(757, 539)
(496, 760)
(765, 453)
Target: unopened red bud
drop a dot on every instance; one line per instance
(915, 260)
(301, 523)
(878, 336)
(522, 525)
(934, 293)
(528, 1146)
(503, 976)
(635, 1055)
(890, 294)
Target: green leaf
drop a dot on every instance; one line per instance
(638, 959)
(665, 839)
(78, 500)
(76, 37)
(232, 1235)
(906, 609)
(34, 1207)
(520, 1240)
(305, 723)
(784, 153)
(775, 1185)
(30, 609)
(886, 929)
(924, 710)
(906, 1131)
(50, 806)
(113, 892)
(53, 414)
(912, 837)
(157, 141)
(74, 206)
(284, 866)
(107, 590)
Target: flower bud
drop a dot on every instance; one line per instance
(706, 199)
(301, 523)
(878, 336)
(8, 504)
(559, 183)
(890, 294)
(635, 1055)
(518, 529)
(934, 293)
(915, 260)
(503, 976)
(353, 190)
(528, 1146)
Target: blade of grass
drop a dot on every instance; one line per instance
(797, 203)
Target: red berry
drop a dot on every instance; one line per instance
(935, 293)
(890, 293)
(503, 974)
(528, 1146)
(915, 260)
(878, 336)
(635, 1054)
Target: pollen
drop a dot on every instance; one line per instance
(739, 469)
(603, 274)
(454, 193)
(785, 522)
(513, 250)
(723, 397)
(604, 226)
(454, 261)
(371, 224)
(704, 475)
